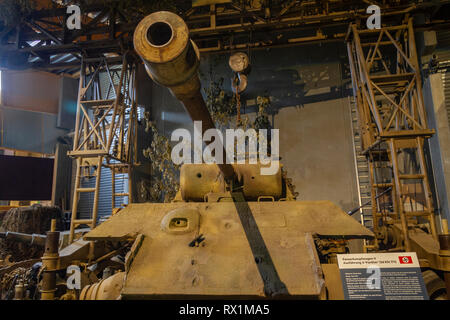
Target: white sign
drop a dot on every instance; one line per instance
(383, 260)
(382, 276)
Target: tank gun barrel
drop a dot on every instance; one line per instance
(35, 239)
(171, 59)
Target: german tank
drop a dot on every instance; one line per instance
(230, 231)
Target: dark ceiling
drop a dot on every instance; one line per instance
(40, 39)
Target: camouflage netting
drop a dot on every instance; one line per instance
(2, 214)
(34, 219)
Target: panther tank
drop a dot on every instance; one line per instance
(230, 232)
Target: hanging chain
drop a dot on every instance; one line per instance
(238, 102)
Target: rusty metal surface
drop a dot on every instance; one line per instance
(49, 263)
(238, 62)
(170, 56)
(199, 3)
(333, 282)
(106, 289)
(223, 264)
(198, 180)
(223, 267)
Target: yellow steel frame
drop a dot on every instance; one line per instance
(105, 131)
(392, 118)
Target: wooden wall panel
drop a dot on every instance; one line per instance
(31, 90)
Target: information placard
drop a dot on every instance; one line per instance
(382, 276)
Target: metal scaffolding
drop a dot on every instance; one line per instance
(387, 86)
(42, 40)
(105, 132)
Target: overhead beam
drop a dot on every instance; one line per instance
(231, 21)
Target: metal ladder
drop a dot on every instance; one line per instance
(362, 171)
(86, 168)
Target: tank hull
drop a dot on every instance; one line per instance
(226, 249)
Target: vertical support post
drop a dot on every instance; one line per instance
(212, 14)
(96, 192)
(365, 77)
(113, 186)
(130, 185)
(426, 188)
(75, 200)
(50, 263)
(80, 95)
(415, 62)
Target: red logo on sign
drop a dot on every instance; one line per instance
(405, 259)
